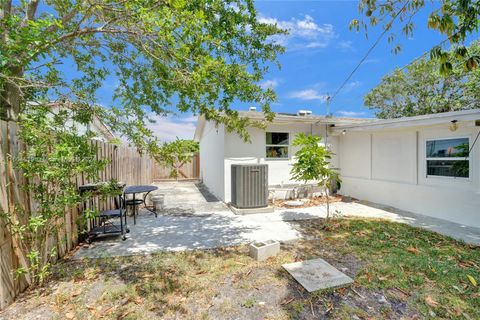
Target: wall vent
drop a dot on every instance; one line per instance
(249, 185)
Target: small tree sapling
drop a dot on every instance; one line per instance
(313, 164)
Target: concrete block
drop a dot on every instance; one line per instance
(239, 211)
(263, 250)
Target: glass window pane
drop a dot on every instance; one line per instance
(448, 168)
(448, 148)
(277, 138)
(277, 152)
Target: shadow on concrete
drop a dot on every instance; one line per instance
(172, 233)
(297, 215)
(209, 197)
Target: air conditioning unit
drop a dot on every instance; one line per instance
(249, 185)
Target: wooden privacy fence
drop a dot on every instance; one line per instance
(190, 170)
(126, 165)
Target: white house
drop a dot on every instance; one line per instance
(101, 130)
(420, 164)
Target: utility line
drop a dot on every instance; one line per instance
(387, 28)
(473, 145)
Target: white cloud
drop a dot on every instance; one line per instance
(303, 33)
(346, 45)
(189, 119)
(308, 94)
(313, 45)
(169, 128)
(350, 113)
(352, 85)
(372, 60)
(269, 84)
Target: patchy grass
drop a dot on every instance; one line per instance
(428, 271)
(399, 272)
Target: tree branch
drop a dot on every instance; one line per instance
(5, 9)
(31, 10)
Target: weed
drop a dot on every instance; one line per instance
(249, 303)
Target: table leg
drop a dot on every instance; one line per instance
(145, 204)
(124, 206)
(134, 210)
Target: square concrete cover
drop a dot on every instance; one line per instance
(317, 274)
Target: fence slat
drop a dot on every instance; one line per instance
(189, 171)
(126, 165)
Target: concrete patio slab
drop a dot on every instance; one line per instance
(178, 233)
(194, 219)
(188, 197)
(317, 274)
(365, 209)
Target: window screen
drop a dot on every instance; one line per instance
(448, 157)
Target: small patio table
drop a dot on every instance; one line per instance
(133, 190)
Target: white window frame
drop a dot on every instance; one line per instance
(448, 159)
(277, 145)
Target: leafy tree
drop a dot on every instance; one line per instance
(420, 88)
(177, 153)
(51, 183)
(197, 56)
(457, 19)
(313, 164)
(190, 56)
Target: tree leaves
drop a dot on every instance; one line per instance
(439, 84)
(472, 280)
(177, 153)
(431, 302)
(192, 56)
(413, 250)
(455, 19)
(312, 160)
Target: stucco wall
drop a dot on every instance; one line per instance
(389, 167)
(237, 151)
(212, 158)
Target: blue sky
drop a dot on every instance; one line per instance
(320, 53)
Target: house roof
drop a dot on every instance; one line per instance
(357, 124)
(283, 118)
(423, 120)
(103, 128)
(100, 127)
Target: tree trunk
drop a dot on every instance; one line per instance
(11, 96)
(328, 202)
(10, 92)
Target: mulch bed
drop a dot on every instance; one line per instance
(316, 201)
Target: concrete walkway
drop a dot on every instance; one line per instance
(203, 230)
(188, 197)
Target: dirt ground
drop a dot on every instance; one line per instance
(227, 284)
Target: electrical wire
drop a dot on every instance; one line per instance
(387, 28)
(473, 145)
